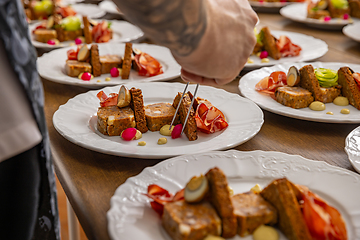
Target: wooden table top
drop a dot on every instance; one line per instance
(90, 178)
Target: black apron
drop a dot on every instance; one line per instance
(14, 33)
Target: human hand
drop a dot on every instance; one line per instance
(225, 46)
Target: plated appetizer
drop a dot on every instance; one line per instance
(269, 46)
(207, 208)
(85, 63)
(124, 113)
(309, 87)
(40, 10)
(328, 9)
(57, 29)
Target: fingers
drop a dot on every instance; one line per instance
(190, 77)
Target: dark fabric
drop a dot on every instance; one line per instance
(22, 55)
(19, 185)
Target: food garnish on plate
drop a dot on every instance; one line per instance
(126, 109)
(293, 209)
(327, 9)
(269, 46)
(65, 26)
(308, 86)
(89, 61)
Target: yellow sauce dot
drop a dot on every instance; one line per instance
(142, 143)
(317, 106)
(258, 54)
(345, 111)
(265, 233)
(250, 61)
(138, 134)
(265, 60)
(107, 79)
(72, 44)
(80, 75)
(341, 101)
(162, 141)
(98, 81)
(330, 113)
(164, 130)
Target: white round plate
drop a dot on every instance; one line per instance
(77, 121)
(311, 48)
(123, 31)
(352, 148)
(270, 7)
(249, 80)
(110, 7)
(298, 13)
(51, 66)
(352, 31)
(131, 217)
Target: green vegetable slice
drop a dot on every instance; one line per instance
(326, 77)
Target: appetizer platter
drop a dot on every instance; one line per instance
(52, 65)
(352, 31)
(310, 48)
(284, 102)
(78, 121)
(132, 214)
(352, 148)
(121, 31)
(298, 12)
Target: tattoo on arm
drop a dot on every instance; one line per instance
(176, 24)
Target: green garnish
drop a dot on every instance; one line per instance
(314, 9)
(109, 24)
(260, 37)
(340, 4)
(326, 77)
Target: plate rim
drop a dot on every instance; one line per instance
(350, 27)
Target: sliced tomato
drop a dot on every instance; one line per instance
(66, 11)
(323, 220)
(271, 83)
(101, 33)
(105, 100)
(209, 120)
(162, 196)
(286, 47)
(147, 65)
(357, 79)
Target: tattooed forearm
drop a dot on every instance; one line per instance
(176, 24)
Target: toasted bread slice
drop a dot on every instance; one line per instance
(354, 6)
(349, 87)
(309, 81)
(295, 97)
(73, 68)
(185, 221)
(44, 35)
(291, 222)
(87, 30)
(252, 211)
(190, 126)
(137, 105)
(112, 120)
(95, 60)
(158, 115)
(269, 42)
(220, 198)
(108, 62)
(126, 66)
(337, 12)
